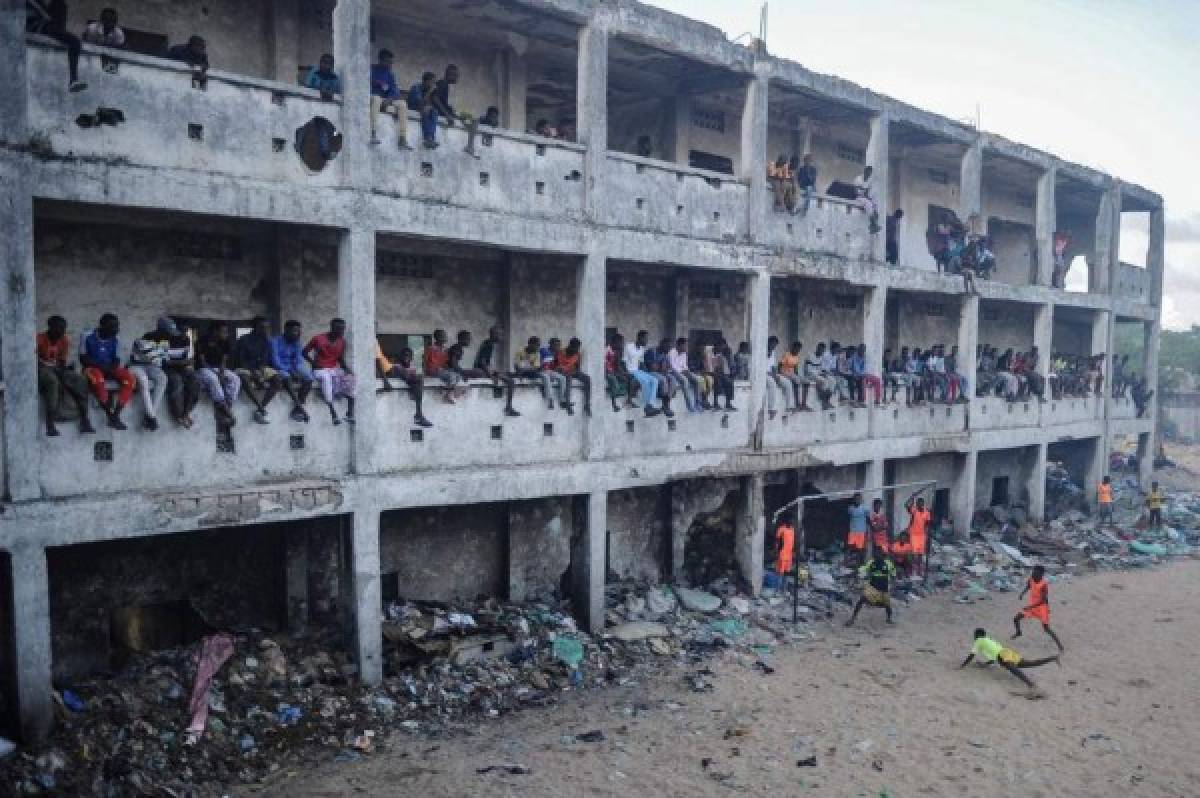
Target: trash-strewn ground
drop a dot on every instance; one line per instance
(883, 710)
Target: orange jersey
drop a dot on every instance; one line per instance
(917, 526)
(1105, 493)
(785, 536)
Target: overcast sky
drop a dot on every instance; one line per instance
(1112, 84)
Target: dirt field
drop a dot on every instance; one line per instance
(881, 708)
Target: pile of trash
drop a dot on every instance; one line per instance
(250, 708)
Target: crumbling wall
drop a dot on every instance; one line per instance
(943, 467)
(703, 528)
(639, 533)
(921, 320)
(446, 553)
(1016, 464)
(726, 313)
(639, 299)
(540, 534)
(919, 187)
(90, 581)
(1007, 324)
(822, 319)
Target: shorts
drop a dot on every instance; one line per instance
(1009, 657)
(1041, 613)
(918, 545)
(876, 597)
(856, 540)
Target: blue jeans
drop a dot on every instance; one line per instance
(689, 390)
(649, 385)
(429, 121)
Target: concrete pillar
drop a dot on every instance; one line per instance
(296, 575)
(1100, 268)
(677, 150)
(1037, 484)
(31, 642)
(683, 294)
(1113, 197)
(592, 99)
(874, 320)
(285, 41)
(18, 325)
(1145, 454)
(589, 581)
(968, 340)
(1046, 222)
(1100, 323)
(962, 496)
(970, 202)
(878, 159)
(352, 54)
(758, 294)
(1151, 332)
(360, 571)
(679, 524)
(1097, 467)
(589, 323)
(356, 304)
(1043, 335)
(754, 154)
(806, 139)
(751, 526)
(1156, 255)
(513, 75)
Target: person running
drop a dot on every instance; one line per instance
(1154, 503)
(879, 573)
(1039, 604)
(1104, 500)
(989, 651)
(919, 519)
(856, 537)
(785, 543)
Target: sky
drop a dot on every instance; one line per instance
(1111, 84)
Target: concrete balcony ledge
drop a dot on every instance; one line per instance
(840, 424)
(831, 225)
(1122, 409)
(644, 194)
(236, 125)
(1133, 283)
(990, 412)
(1070, 411)
(630, 433)
(898, 421)
(176, 458)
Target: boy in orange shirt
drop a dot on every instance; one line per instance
(1039, 604)
(919, 519)
(785, 542)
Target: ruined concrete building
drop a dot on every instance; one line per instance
(193, 202)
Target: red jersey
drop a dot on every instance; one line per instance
(326, 353)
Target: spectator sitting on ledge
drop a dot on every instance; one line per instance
(324, 79)
(105, 32)
(194, 53)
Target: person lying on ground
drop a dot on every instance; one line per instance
(989, 651)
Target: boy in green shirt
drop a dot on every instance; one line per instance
(879, 574)
(989, 651)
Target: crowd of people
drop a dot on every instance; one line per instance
(793, 183)
(653, 375)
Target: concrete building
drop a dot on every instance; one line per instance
(197, 206)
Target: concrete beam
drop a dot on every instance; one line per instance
(352, 54)
(1037, 484)
(360, 572)
(590, 312)
(31, 642)
(1046, 222)
(356, 304)
(591, 96)
(878, 147)
(962, 495)
(754, 154)
(751, 526)
(589, 595)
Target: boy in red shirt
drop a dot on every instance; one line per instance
(1039, 604)
(327, 354)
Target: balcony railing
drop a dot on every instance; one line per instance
(839, 424)
(990, 412)
(235, 125)
(1133, 283)
(644, 194)
(629, 433)
(898, 421)
(1070, 411)
(830, 225)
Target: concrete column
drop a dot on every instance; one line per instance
(360, 570)
(1145, 454)
(806, 139)
(679, 530)
(970, 197)
(18, 325)
(589, 582)
(683, 293)
(1043, 335)
(1046, 222)
(1113, 197)
(754, 154)
(356, 304)
(589, 322)
(878, 158)
(592, 99)
(681, 142)
(1097, 467)
(1100, 269)
(296, 576)
(513, 75)
(751, 526)
(1151, 332)
(874, 320)
(352, 54)
(31, 642)
(285, 40)
(968, 340)
(962, 496)
(1037, 484)
(758, 294)
(1156, 255)
(1100, 322)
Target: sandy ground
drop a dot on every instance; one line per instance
(881, 708)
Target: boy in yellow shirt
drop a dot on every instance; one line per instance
(989, 651)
